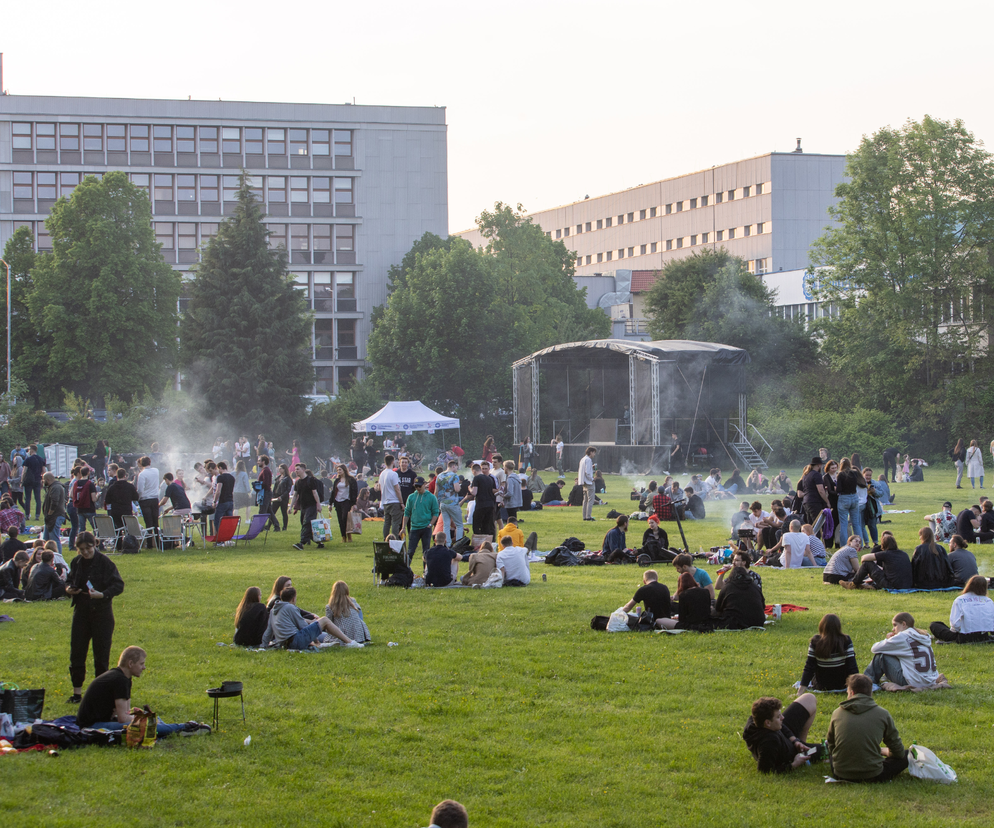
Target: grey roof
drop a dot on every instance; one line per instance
(664, 349)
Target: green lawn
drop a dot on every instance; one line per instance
(502, 699)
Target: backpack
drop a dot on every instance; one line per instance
(130, 545)
(82, 495)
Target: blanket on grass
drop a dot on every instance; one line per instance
(939, 589)
(785, 608)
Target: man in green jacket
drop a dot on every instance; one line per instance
(857, 728)
(420, 514)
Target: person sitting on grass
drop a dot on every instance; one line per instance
(741, 559)
(831, 657)
(961, 560)
(106, 704)
(44, 583)
(695, 505)
(655, 542)
(12, 545)
(843, 564)
(442, 563)
(10, 577)
(346, 614)
(694, 604)
(815, 545)
(943, 523)
(614, 542)
(482, 563)
(685, 563)
(971, 618)
(929, 565)
(890, 568)
(449, 814)
(740, 603)
(855, 732)
(777, 739)
(511, 530)
(553, 494)
(653, 596)
(251, 619)
(512, 562)
(796, 548)
(289, 629)
(279, 585)
(905, 659)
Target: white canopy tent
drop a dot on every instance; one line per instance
(406, 416)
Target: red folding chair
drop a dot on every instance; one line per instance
(225, 531)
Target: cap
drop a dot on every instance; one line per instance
(816, 461)
(947, 505)
(418, 481)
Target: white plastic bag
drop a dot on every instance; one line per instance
(618, 622)
(494, 581)
(923, 764)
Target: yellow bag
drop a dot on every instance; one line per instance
(141, 731)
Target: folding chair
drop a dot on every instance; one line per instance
(385, 560)
(107, 532)
(171, 529)
(225, 530)
(259, 522)
(133, 527)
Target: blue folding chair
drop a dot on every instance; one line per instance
(259, 522)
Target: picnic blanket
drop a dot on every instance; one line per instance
(785, 608)
(677, 632)
(899, 511)
(797, 686)
(939, 589)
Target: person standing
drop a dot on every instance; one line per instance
(148, 496)
(585, 477)
(242, 452)
(282, 487)
(93, 583)
(84, 498)
(420, 514)
(406, 475)
(224, 495)
(307, 500)
(447, 493)
(34, 469)
(54, 509)
(391, 499)
(484, 491)
(975, 464)
(489, 447)
(118, 497)
(265, 479)
(559, 445)
(345, 492)
(958, 454)
(815, 497)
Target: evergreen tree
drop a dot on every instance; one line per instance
(244, 339)
(103, 302)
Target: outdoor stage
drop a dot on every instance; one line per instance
(610, 459)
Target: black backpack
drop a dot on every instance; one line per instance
(130, 545)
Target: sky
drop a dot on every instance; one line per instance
(546, 102)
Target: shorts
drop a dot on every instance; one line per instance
(794, 717)
(303, 638)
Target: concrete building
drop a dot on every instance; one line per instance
(347, 189)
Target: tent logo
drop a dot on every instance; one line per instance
(405, 426)
(438, 425)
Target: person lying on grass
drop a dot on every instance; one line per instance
(904, 659)
(776, 738)
(107, 701)
(289, 629)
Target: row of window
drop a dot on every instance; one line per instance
(676, 244)
(328, 292)
(187, 139)
(666, 209)
(273, 189)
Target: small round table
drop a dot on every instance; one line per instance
(227, 690)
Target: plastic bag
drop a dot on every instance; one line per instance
(321, 529)
(141, 731)
(495, 580)
(923, 764)
(24, 706)
(618, 622)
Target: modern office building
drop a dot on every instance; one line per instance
(347, 189)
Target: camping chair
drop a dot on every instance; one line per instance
(171, 529)
(106, 531)
(225, 531)
(259, 522)
(133, 527)
(385, 560)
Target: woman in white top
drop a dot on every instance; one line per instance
(975, 463)
(244, 496)
(971, 618)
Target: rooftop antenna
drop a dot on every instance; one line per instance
(1, 74)
(798, 149)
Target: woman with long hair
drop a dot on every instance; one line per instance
(849, 480)
(294, 455)
(251, 618)
(830, 477)
(831, 657)
(694, 607)
(346, 614)
(281, 497)
(971, 618)
(15, 482)
(345, 492)
(279, 585)
(975, 464)
(930, 568)
(958, 454)
(489, 447)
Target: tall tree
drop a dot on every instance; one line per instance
(912, 273)
(245, 336)
(103, 302)
(28, 352)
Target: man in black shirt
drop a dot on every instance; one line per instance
(11, 546)
(553, 493)
(484, 491)
(224, 494)
(107, 703)
(44, 583)
(118, 497)
(890, 463)
(653, 596)
(307, 500)
(695, 505)
(967, 523)
(890, 568)
(815, 496)
(31, 478)
(406, 475)
(438, 563)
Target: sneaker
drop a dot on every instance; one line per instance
(320, 545)
(195, 729)
(323, 645)
(75, 698)
(847, 585)
(354, 645)
(299, 547)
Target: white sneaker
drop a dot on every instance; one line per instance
(354, 645)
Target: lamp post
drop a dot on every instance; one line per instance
(8, 325)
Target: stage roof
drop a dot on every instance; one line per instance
(664, 349)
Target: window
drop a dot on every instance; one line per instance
(323, 299)
(68, 182)
(747, 230)
(207, 232)
(549, 234)
(184, 139)
(719, 197)
(693, 241)
(719, 235)
(669, 209)
(642, 250)
(731, 195)
(631, 251)
(139, 138)
(93, 137)
(298, 190)
(759, 227)
(679, 242)
(346, 339)
(347, 376)
(230, 185)
(187, 233)
(344, 237)
(587, 230)
(566, 232)
(324, 342)
(654, 246)
(704, 201)
(679, 206)
(324, 377)
(186, 188)
(760, 265)
(669, 244)
(631, 217)
(600, 257)
(579, 261)
(301, 282)
(746, 192)
(255, 185)
(621, 252)
(253, 140)
(277, 189)
(704, 238)
(343, 142)
(116, 138)
(23, 185)
(298, 237)
(164, 234)
(589, 259)
(44, 239)
(321, 188)
(621, 219)
(322, 237)
(579, 229)
(600, 224)
(641, 214)
(277, 235)
(759, 191)
(559, 234)
(693, 204)
(607, 222)
(610, 255)
(731, 233)
(320, 142)
(208, 139)
(142, 181)
(231, 140)
(652, 212)
(162, 138)
(298, 142)
(69, 137)
(45, 135)
(22, 137)
(276, 141)
(345, 291)
(163, 187)
(208, 186)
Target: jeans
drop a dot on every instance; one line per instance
(451, 517)
(959, 472)
(36, 489)
(225, 509)
(304, 637)
(73, 516)
(307, 514)
(55, 533)
(161, 727)
(83, 517)
(848, 514)
(414, 536)
(972, 484)
(886, 665)
(733, 489)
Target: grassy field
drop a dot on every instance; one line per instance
(502, 699)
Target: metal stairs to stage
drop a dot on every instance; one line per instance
(748, 454)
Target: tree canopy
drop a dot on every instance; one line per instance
(246, 335)
(103, 302)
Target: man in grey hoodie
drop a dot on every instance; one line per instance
(857, 728)
(289, 629)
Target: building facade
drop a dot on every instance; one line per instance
(347, 189)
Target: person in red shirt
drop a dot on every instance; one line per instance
(662, 505)
(432, 477)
